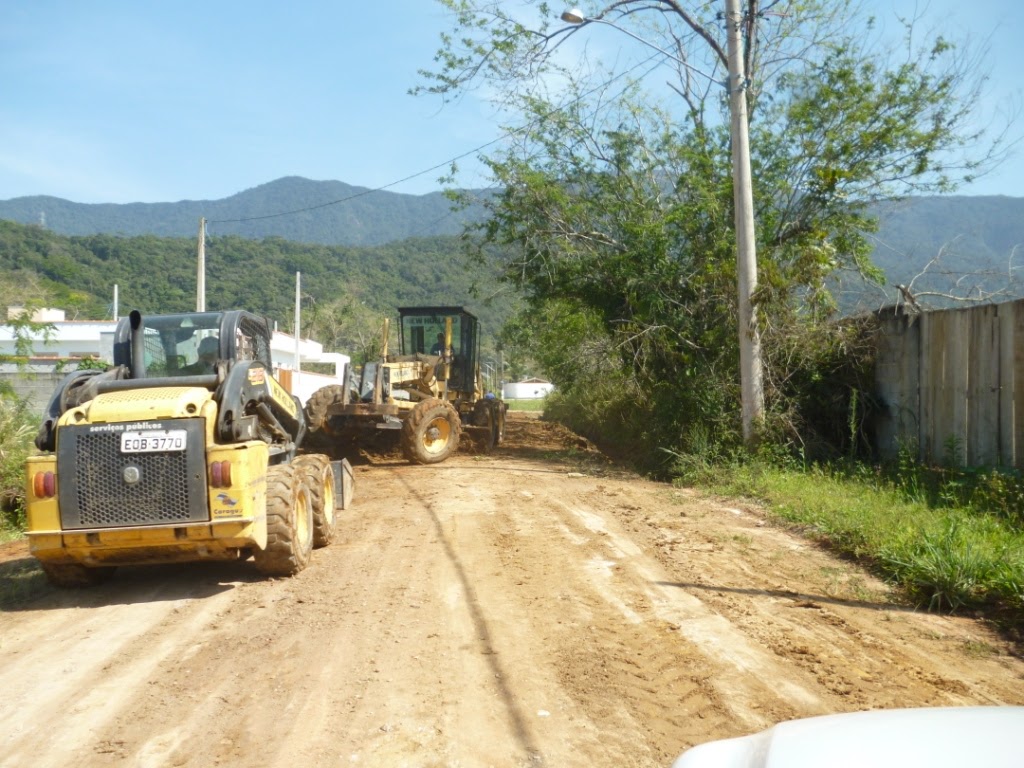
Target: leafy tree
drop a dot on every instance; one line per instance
(26, 332)
(347, 323)
(17, 426)
(617, 203)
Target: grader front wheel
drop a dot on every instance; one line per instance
(316, 406)
(431, 432)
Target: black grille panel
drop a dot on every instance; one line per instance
(94, 491)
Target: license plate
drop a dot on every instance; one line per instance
(153, 441)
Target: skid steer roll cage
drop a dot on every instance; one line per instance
(162, 351)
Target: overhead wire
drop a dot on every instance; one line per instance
(491, 187)
(447, 163)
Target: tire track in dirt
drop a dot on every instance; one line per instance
(827, 618)
(680, 670)
(105, 649)
(513, 610)
(742, 665)
(305, 651)
(616, 660)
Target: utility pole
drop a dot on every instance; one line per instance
(751, 380)
(201, 269)
(501, 372)
(298, 326)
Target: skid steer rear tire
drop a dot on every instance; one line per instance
(289, 523)
(431, 432)
(319, 478)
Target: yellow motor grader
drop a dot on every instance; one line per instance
(185, 450)
(431, 393)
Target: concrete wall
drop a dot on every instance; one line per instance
(37, 388)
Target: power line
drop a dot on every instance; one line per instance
(451, 213)
(446, 163)
(365, 191)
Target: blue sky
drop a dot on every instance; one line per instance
(127, 101)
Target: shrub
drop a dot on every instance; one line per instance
(16, 430)
(947, 569)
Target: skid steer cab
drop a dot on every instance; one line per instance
(185, 450)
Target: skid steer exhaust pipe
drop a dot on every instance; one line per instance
(138, 345)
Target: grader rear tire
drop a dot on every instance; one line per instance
(431, 432)
(289, 523)
(316, 406)
(319, 478)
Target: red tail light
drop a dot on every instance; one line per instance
(220, 474)
(44, 485)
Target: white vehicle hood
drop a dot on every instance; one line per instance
(992, 737)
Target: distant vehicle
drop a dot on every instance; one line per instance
(431, 393)
(945, 737)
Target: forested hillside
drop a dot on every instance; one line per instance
(968, 247)
(346, 289)
(938, 246)
(962, 244)
(329, 212)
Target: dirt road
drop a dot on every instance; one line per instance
(532, 607)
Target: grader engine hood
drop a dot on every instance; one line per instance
(402, 376)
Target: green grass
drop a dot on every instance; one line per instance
(944, 557)
(526, 405)
(10, 531)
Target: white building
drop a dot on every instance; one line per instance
(527, 389)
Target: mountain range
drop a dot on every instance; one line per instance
(970, 247)
(933, 245)
(293, 208)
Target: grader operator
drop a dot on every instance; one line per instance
(185, 450)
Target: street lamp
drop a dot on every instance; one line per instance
(751, 381)
(575, 16)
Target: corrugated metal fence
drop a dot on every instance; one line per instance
(950, 383)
